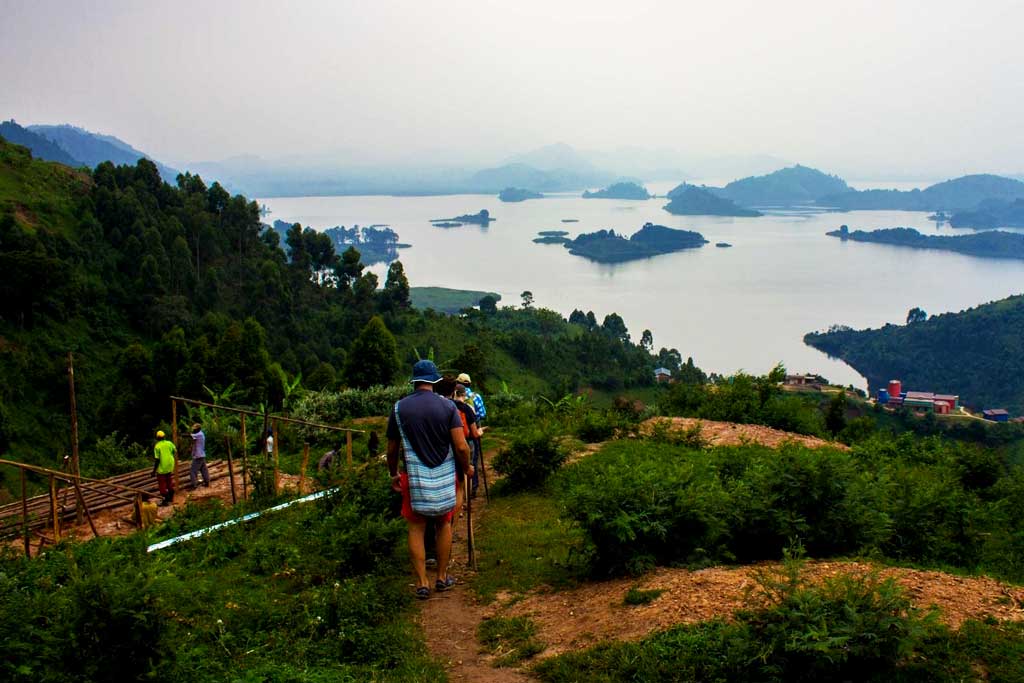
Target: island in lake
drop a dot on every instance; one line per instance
(552, 237)
(570, 220)
(606, 246)
(483, 217)
(989, 244)
(518, 194)
(619, 191)
(690, 200)
(723, 245)
(375, 243)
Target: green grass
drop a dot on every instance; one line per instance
(447, 300)
(511, 639)
(636, 596)
(524, 544)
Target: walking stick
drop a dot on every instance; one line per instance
(483, 468)
(469, 526)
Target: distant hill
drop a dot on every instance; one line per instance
(607, 246)
(493, 180)
(966, 192)
(795, 185)
(690, 200)
(518, 194)
(991, 213)
(988, 244)
(41, 146)
(557, 157)
(977, 353)
(619, 191)
(92, 149)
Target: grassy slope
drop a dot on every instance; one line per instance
(40, 193)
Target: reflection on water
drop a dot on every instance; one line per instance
(747, 307)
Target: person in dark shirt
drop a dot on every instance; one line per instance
(427, 430)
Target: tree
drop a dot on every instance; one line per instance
(614, 326)
(527, 299)
(916, 315)
(647, 341)
(578, 317)
(396, 288)
(373, 358)
(835, 414)
(489, 305)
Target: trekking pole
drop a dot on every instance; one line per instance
(483, 468)
(469, 526)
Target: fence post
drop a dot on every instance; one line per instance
(55, 517)
(277, 470)
(24, 511)
(305, 464)
(348, 448)
(245, 462)
(231, 471)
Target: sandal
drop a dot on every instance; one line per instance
(441, 586)
(422, 593)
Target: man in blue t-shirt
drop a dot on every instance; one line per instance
(431, 426)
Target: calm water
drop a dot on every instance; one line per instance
(747, 307)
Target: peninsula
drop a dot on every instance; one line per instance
(607, 246)
(482, 217)
(518, 194)
(690, 200)
(989, 244)
(619, 191)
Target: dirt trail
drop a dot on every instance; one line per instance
(450, 619)
(733, 434)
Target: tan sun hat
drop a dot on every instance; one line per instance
(463, 379)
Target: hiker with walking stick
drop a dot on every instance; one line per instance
(474, 399)
(426, 430)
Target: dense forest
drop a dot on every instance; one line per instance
(607, 246)
(619, 191)
(977, 353)
(990, 244)
(163, 289)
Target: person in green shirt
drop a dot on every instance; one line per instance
(164, 465)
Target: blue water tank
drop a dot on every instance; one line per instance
(883, 396)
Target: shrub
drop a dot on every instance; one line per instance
(635, 596)
(530, 459)
(595, 426)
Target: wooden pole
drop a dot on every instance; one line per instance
(277, 469)
(305, 464)
(348, 448)
(174, 439)
(263, 436)
(483, 468)
(24, 511)
(54, 517)
(138, 510)
(469, 523)
(231, 472)
(245, 462)
(74, 416)
(88, 515)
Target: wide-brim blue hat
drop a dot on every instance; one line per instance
(425, 371)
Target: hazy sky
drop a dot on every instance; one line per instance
(932, 87)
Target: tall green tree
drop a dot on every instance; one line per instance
(396, 289)
(373, 358)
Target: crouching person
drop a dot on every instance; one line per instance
(426, 430)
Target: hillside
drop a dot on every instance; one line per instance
(988, 244)
(41, 146)
(795, 185)
(690, 200)
(977, 353)
(961, 193)
(161, 289)
(991, 213)
(92, 149)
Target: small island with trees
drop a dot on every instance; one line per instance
(989, 244)
(482, 217)
(518, 194)
(619, 191)
(551, 237)
(607, 246)
(690, 200)
(375, 243)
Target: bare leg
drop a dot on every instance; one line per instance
(418, 553)
(443, 530)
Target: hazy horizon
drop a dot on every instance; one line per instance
(911, 89)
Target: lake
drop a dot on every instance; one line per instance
(746, 307)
